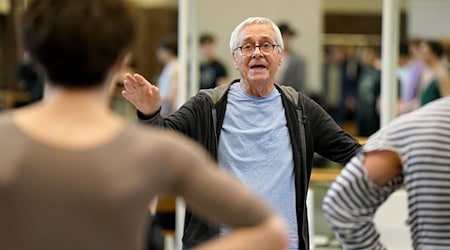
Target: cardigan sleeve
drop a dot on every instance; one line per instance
(329, 139)
(186, 120)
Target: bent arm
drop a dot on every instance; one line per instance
(352, 200)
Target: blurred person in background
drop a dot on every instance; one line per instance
(212, 71)
(367, 114)
(338, 85)
(167, 54)
(117, 103)
(31, 82)
(75, 175)
(411, 67)
(404, 68)
(435, 81)
(292, 71)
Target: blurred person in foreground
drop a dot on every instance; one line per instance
(411, 152)
(261, 132)
(74, 175)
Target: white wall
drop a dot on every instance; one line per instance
(390, 220)
(429, 19)
(305, 16)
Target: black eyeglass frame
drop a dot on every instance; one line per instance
(265, 48)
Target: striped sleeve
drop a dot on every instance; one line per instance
(350, 205)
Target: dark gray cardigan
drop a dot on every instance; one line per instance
(311, 130)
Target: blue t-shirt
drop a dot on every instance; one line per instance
(254, 145)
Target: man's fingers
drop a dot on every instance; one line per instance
(125, 95)
(130, 77)
(154, 89)
(128, 85)
(140, 79)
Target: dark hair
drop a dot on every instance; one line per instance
(206, 38)
(436, 48)
(286, 29)
(403, 49)
(77, 41)
(169, 42)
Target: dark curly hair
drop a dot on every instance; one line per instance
(77, 41)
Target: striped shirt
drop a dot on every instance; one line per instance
(422, 140)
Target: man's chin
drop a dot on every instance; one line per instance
(259, 77)
(260, 80)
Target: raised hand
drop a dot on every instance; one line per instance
(141, 93)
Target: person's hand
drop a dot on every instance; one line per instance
(141, 93)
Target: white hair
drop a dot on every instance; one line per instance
(252, 21)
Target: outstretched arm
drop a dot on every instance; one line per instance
(330, 140)
(142, 94)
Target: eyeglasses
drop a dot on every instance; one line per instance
(265, 48)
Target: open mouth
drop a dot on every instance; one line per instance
(258, 66)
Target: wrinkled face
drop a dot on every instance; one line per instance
(257, 67)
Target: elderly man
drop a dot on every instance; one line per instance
(263, 133)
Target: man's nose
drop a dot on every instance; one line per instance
(257, 48)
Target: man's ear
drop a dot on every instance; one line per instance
(281, 59)
(234, 60)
